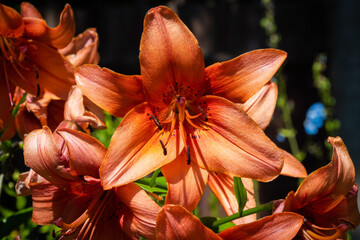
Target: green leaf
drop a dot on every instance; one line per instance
(154, 177)
(240, 193)
(7, 225)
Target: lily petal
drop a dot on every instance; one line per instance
(83, 48)
(175, 222)
(143, 209)
(336, 179)
(5, 114)
(114, 92)
(11, 23)
(135, 149)
(234, 144)
(170, 58)
(241, 77)
(222, 185)
(280, 226)
(292, 167)
(186, 183)
(85, 152)
(260, 107)
(43, 155)
(58, 37)
(28, 10)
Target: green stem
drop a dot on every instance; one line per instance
(261, 208)
(147, 181)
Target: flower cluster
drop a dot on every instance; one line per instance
(196, 125)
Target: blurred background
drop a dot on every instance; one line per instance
(321, 37)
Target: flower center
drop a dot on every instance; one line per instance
(13, 55)
(183, 115)
(312, 231)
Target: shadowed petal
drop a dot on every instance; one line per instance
(234, 144)
(135, 149)
(143, 210)
(83, 48)
(280, 226)
(260, 107)
(114, 92)
(222, 185)
(241, 77)
(335, 179)
(85, 152)
(5, 114)
(186, 183)
(58, 37)
(28, 10)
(175, 222)
(11, 23)
(170, 58)
(292, 167)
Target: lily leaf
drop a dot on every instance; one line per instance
(154, 177)
(240, 193)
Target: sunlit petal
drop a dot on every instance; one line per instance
(170, 58)
(241, 77)
(28, 10)
(11, 23)
(292, 167)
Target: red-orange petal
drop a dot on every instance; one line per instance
(292, 167)
(280, 226)
(335, 179)
(58, 37)
(222, 185)
(28, 10)
(83, 48)
(5, 113)
(114, 92)
(260, 107)
(241, 77)
(135, 149)
(234, 144)
(85, 152)
(11, 23)
(171, 61)
(175, 222)
(143, 209)
(186, 183)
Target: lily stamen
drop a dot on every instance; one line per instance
(313, 231)
(163, 147)
(188, 161)
(203, 112)
(156, 121)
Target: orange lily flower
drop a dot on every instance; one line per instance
(175, 222)
(327, 198)
(66, 189)
(29, 57)
(182, 116)
(260, 108)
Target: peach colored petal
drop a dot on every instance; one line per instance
(335, 179)
(280, 226)
(116, 93)
(83, 48)
(170, 58)
(241, 77)
(222, 185)
(175, 222)
(11, 23)
(292, 167)
(234, 144)
(260, 107)
(85, 152)
(135, 149)
(143, 209)
(28, 10)
(186, 183)
(43, 155)
(58, 37)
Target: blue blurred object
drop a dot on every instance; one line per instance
(315, 117)
(280, 137)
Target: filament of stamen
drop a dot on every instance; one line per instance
(203, 113)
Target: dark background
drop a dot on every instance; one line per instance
(226, 29)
